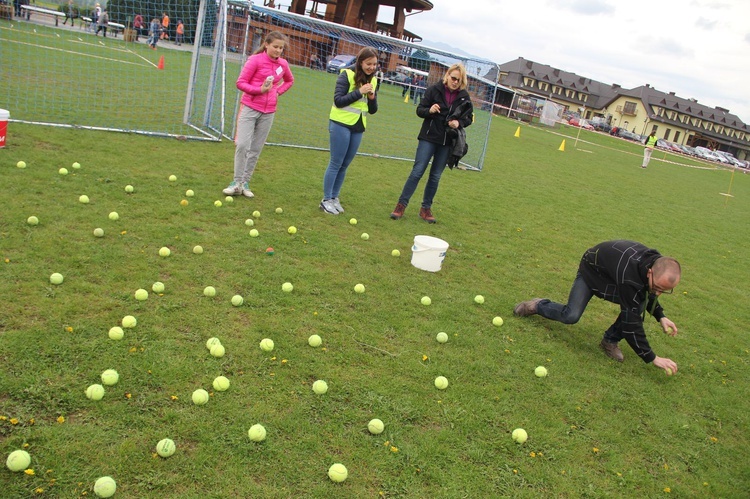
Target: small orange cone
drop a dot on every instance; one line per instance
(161, 63)
(562, 146)
(518, 132)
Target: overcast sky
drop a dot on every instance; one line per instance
(695, 48)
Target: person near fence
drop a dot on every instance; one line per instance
(435, 138)
(138, 25)
(354, 97)
(421, 87)
(628, 274)
(179, 32)
(164, 26)
(650, 143)
(153, 33)
(102, 23)
(265, 76)
(70, 13)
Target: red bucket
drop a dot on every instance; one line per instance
(4, 117)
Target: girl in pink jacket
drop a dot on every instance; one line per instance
(265, 76)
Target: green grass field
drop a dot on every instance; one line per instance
(516, 230)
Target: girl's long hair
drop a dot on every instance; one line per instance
(270, 38)
(360, 77)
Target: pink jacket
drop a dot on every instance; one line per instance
(257, 68)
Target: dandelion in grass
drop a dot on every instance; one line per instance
(60, 419)
(174, 397)
(29, 472)
(596, 450)
(713, 439)
(284, 361)
(424, 358)
(394, 448)
(3, 418)
(532, 454)
(667, 490)
(128, 395)
(26, 446)
(515, 472)
(69, 329)
(39, 490)
(13, 421)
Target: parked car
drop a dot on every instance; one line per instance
(687, 150)
(601, 126)
(708, 154)
(625, 134)
(729, 157)
(395, 78)
(581, 123)
(340, 62)
(663, 144)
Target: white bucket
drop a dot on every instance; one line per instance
(4, 117)
(428, 253)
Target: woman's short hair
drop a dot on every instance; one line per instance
(461, 69)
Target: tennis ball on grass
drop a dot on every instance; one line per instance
(519, 435)
(279, 211)
(314, 340)
(32, 220)
(184, 202)
(105, 487)
(442, 338)
(56, 278)
(287, 287)
(229, 199)
(166, 447)
(141, 294)
(395, 253)
(365, 236)
(95, 392)
(221, 383)
(98, 232)
(21, 164)
(173, 178)
(375, 426)
(18, 460)
(218, 351)
(62, 171)
(337, 472)
(114, 216)
(237, 300)
(320, 387)
(292, 230)
(479, 299)
(116, 333)
(189, 193)
(254, 233)
(353, 221)
(129, 189)
(540, 372)
(129, 322)
(266, 344)
(198, 250)
(249, 222)
(157, 287)
(211, 342)
(426, 300)
(441, 382)
(83, 199)
(209, 291)
(256, 214)
(359, 288)
(217, 203)
(257, 433)
(497, 321)
(164, 251)
(110, 377)
(200, 396)
(76, 165)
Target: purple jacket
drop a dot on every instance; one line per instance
(257, 68)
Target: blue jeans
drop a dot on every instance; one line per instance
(426, 151)
(579, 297)
(344, 145)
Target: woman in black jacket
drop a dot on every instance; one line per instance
(435, 137)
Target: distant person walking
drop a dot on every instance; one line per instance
(102, 23)
(153, 33)
(265, 76)
(70, 14)
(650, 144)
(138, 25)
(164, 26)
(354, 97)
(179, 32)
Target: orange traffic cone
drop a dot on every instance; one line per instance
(518, 132)
(562, 146)
(161, 63)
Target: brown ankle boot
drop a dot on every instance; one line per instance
(398, 212)
(426, 215)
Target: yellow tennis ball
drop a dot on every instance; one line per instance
(237, 300)
(129, 322)
(254, 233)
(221, 384)
(32, 220)
(211, 342)
(129, 189)
(395, 253)
(189, 193)
(166, 447)
(266, 344)
(95, 392)
(184, 202)
(256, 214)
(157, 287)
(353, 221)
(314, 340)
(375, 426)
(114, 216)
(287, 287)
(116, 333)
(200, 396)
(365, 236)
(56, 278)
(497, 321)
(21, 164)
(519, 435)
(229, 199)
(442, 338)
(99, 232)
(76, 165)
(441, 382)
(18, 460)
(209, 291)
(320, 387)
(249, 222)
(217, 203)
(669, 371)
(426, 300)
(279, 211)
(110, 377)
(337, 472)
(198, 250)
(105, 487)
(292, 230)
(164, 251)
(173, 178)
(141, 294)
(62, 171)
(540, 372)
(479, 299)
(218, 351)
(257, 433)
(359, 288)
(83, 199)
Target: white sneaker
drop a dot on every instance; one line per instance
(337, 205)
(246, 191)
(327, 206)
(233, 189)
